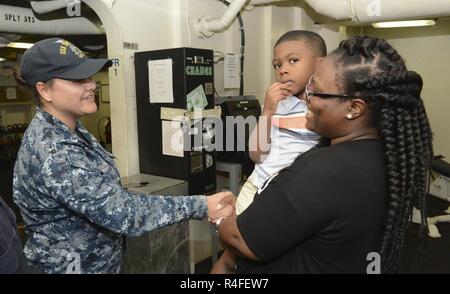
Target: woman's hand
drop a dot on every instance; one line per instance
(221, 204)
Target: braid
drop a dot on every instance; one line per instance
(424, 164)
(406, 152)
(387, 132)
(370, 68)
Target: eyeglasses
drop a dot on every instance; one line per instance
(308, 94)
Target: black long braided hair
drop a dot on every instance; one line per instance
(370, 68)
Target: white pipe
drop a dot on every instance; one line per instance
(398, 9)
(20, 20)
(262, 2)
(207, 25)
(51, 5)
(368, 11)
(336, 9)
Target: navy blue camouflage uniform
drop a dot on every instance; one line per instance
(69, 193)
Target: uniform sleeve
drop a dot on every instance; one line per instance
(281, 217)
(98, 196)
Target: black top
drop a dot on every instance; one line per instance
(323, 214)
(12, 260)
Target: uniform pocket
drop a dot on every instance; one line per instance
(81, 161)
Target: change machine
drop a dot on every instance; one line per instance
(174, 96)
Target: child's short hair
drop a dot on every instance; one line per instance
(313, 40)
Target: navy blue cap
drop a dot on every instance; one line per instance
(58, 58)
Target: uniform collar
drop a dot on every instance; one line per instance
(42, 115)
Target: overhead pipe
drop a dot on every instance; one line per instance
(358, 11)
(368, 11)
(207, 25)
(336, 9)
(21, 20)
(42, 7)
(262, 2)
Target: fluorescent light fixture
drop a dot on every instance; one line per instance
(2, 59)
(19, 45)
(406, 23)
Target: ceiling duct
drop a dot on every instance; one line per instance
(19, 20)
(356, 11)
(369, 11)
(42, 7)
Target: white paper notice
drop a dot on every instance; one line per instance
(172, 138)
(11, 93)
(232, 71)
(160, 81)
(7, 77)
